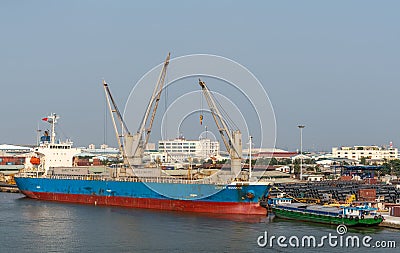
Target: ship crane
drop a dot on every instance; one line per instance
(136, 143)
(232, 138)
(132, 146)
(115, 112)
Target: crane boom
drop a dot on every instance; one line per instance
(219, 121)
(135, 143)
(232, 139)
(114, 110)
(160, 84)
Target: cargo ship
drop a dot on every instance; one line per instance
(133, 184)
(347, 215)
(55, 178)
(231, 199)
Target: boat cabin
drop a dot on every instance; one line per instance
(360, 211)
(280, 201)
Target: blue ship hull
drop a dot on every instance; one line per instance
(242, 198)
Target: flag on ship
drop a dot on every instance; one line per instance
(48, 120)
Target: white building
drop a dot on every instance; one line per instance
(104, 150)
(6, 149)
(369, 152)
(180, 148)
(315, 178)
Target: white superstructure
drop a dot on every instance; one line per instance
(54, 153)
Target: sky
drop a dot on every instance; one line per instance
(333, 66)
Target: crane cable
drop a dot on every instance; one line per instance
(165, 88)
(201, 109)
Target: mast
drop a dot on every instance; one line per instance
(38, 135)
(53, 120)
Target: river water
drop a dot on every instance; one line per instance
(28, 225)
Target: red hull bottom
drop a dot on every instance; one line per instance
(148, 203)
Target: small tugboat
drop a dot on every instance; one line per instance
(347, 215)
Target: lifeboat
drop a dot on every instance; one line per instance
(35, 160)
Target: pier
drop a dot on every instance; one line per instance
(8, 188)
(337, 190)
(391, 222)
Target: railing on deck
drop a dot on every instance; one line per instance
(131, 179)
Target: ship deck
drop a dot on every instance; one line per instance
(174, 180)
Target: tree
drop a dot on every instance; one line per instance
(363, 160)
(285, 161)
(391, 167)
(296, 169)
(223, 161)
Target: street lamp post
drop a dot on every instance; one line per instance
(301, 150)
(250, 143)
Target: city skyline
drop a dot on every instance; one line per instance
(332, 67)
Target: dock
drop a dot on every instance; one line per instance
(338, 190)
(4, 187)
(391, 222)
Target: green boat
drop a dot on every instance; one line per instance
(347, 215)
